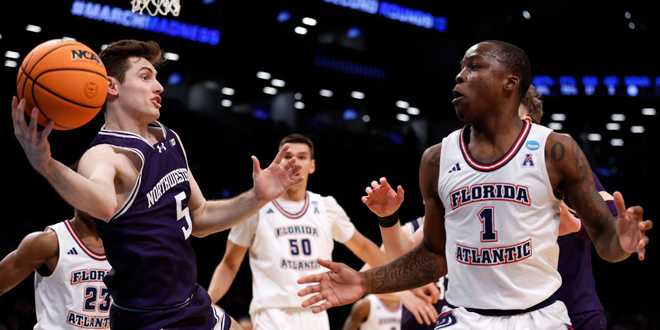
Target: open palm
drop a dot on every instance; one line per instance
(276, 178)
(340, 286)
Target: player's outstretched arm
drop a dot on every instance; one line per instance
(210, 217)
(34, 250)
(225, 272)
(615, 238)
(366, 250)
(343, 285)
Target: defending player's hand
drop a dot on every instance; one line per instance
(631, 227)
(34, 143)
(276, 178)
(423, 312)
(429, 293)
(340, 286)
(381, 199)
(568, 222)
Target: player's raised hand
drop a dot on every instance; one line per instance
(339, 286)
(381, 199)
(273, 181)
(631, 227)
(34, 143)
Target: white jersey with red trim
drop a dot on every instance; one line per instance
(74, 295)
(285, 241)
(501, 221)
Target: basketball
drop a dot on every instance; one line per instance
(65, 80)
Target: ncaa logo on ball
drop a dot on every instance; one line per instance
(532, 145)
(82, 54)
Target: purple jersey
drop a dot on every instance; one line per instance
(146, 241)
(578, 289)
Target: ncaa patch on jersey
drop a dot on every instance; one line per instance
(444, 320)
(532, 145)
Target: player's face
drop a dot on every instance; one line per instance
(479, 84)
(302, 156)
(140, 92)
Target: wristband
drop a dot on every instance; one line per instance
(389, 220)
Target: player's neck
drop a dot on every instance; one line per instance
(88, 234)
(497, 130)
(116, 122)
(295, 194)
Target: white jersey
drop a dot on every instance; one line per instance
(74, 295)
(380, 316)
(285, 240)
(502, 222)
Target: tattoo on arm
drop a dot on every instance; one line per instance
(416, 268)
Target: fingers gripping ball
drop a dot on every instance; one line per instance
(64, 79)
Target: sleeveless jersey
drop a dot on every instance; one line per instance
(285, 240)
(146, 240)
(73, 296)
(501, 221)
(380, 317)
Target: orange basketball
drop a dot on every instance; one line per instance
(65, 80)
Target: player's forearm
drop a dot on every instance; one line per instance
(607, 245)
(96, 199)
(223, 277)
(371, 254)
(416, 268)
(218, 215)
(395, 241)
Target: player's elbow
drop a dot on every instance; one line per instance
(104, 211)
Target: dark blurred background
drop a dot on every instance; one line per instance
(370, 83)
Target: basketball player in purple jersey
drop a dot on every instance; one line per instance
(499, 238)
(135, 180)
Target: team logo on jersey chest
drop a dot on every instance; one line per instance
(489, 192)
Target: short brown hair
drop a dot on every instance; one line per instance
(299, 138)
(115, 56)
(532, 101)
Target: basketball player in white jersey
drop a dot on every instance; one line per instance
(375, 312)
(285, 240)
(491, 213)
(69, 264)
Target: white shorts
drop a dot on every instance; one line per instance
(552, 317)
(289, 318)
(223, 320)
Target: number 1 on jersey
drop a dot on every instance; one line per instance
(487, 218)
(183, 213)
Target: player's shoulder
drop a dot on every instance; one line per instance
(41, 243)
(319, 197)
(431, 155)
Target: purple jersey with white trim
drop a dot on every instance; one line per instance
(146, 241)
(578, 289)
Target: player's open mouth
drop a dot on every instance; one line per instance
(156, 101)
(457, 96)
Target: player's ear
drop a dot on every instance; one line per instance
(112, 86)
(511, 83)
(313, 167)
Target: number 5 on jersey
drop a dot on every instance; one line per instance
(183, 213)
